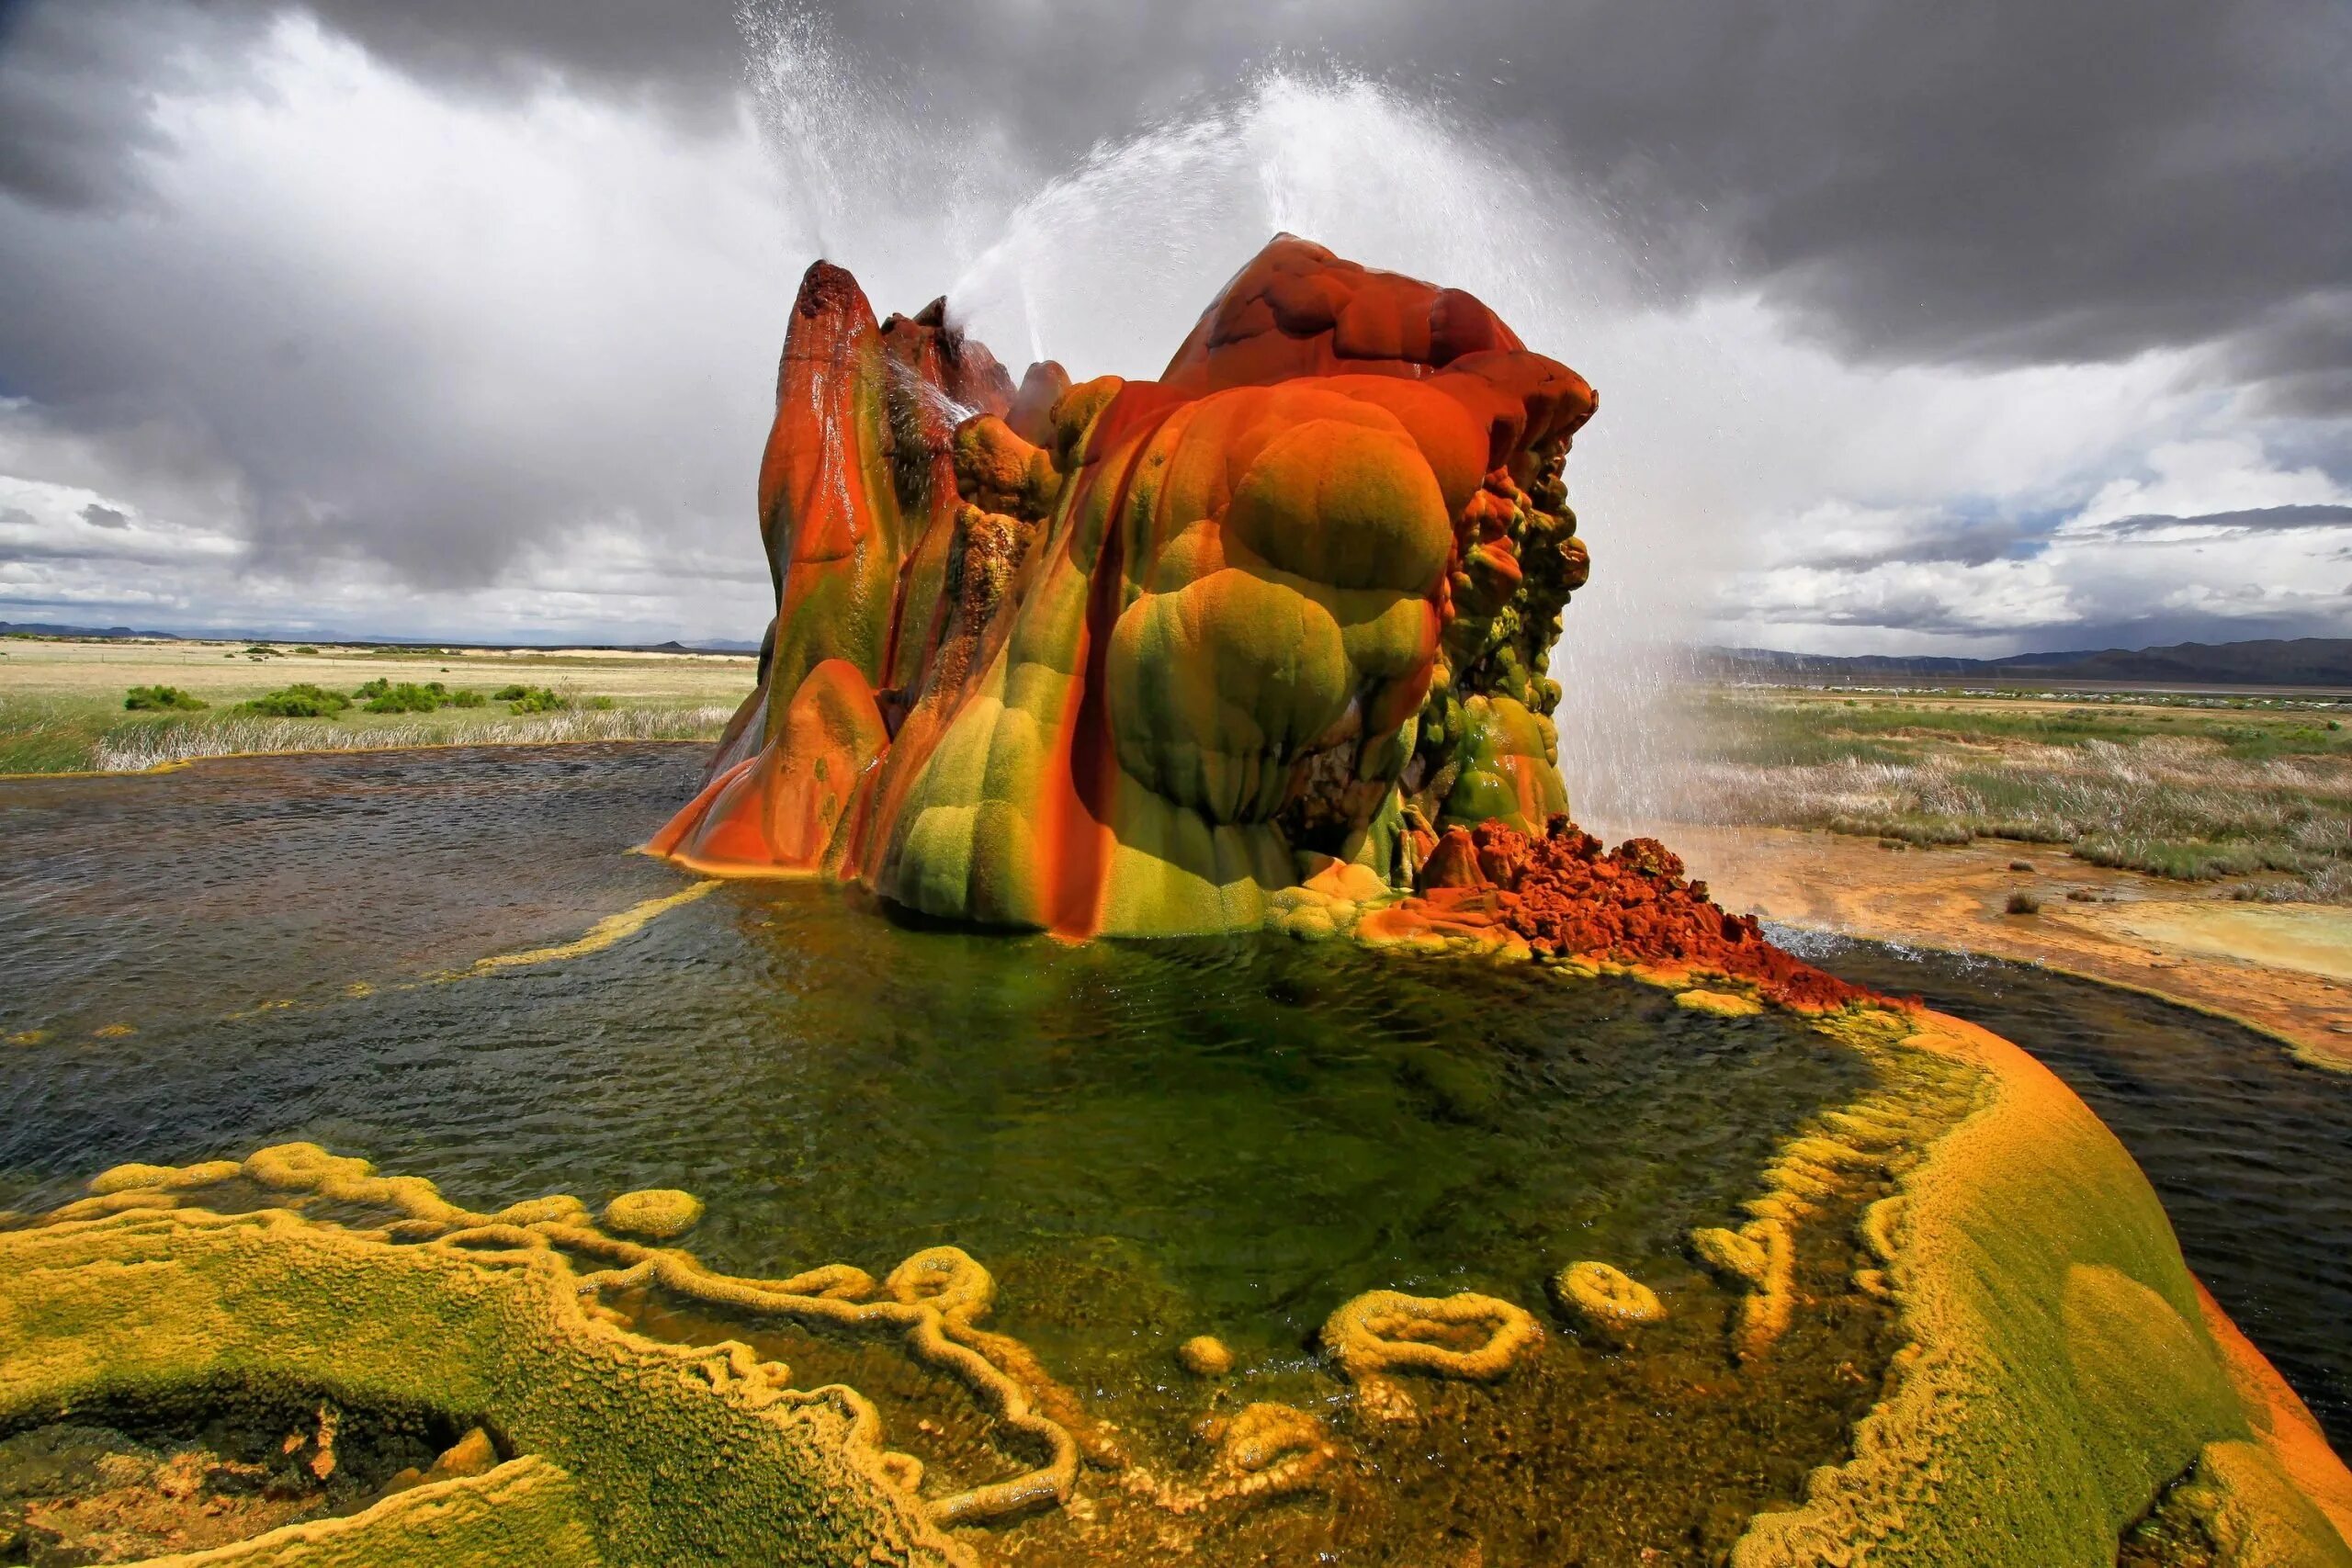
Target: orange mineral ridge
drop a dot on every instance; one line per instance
(1126, 657)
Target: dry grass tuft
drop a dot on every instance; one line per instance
(134, 748)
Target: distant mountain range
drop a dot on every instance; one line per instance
(42, 629)
(2301, 661)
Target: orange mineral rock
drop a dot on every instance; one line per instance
(1117, 657)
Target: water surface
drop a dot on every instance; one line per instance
(2250, 1149)
(1144, 1142)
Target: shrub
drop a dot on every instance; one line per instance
(467, 699)
(2183, 860)
(510, 694)
(303, 700)
(162, 699)
(406, 697)
(600, 705)
(2023, 903)
(538, 699)
(375, 688)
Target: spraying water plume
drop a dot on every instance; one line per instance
(1103, 265)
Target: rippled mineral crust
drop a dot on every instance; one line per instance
(2062, 1367)
(630, 1451)
(1118, 657)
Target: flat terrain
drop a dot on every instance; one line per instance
(2251, 795)
(61, 700)
(2127, 929)
(2195, 845)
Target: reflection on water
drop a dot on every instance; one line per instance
(2250, 1149)
(233, 884)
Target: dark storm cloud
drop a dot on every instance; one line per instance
(2258, 520)
(76, 87)
(2006, 181)
(1956, 541)
(98, 516)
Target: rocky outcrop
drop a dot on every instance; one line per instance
(1114, 657)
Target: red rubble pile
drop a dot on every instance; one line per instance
(1565, 895)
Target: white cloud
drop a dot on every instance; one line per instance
(385, 356)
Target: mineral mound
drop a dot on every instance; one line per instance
(1125, 657)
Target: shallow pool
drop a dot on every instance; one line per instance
(1144, 1142)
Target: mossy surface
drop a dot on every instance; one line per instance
(1134, 648)
(145, 1303)
(2061, 1368)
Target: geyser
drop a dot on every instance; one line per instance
(1125, 657)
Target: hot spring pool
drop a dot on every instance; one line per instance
(1142, 1142)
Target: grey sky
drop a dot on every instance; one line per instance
(455, 316)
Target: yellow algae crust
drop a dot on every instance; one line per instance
(524, 1514)
(656, 1214)
(1376, 1335)
(1721, 1004)
(1605, 1300)
(2061, 1364)
(673, 1453)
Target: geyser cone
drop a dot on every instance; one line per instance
(1126, 657)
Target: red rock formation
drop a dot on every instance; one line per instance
(1111, 656)
(1565, 897)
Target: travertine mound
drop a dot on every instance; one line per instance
(1110, 656)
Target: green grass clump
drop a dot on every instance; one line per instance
(303, 700)
(1909, 829)
(538, 699)
(162, 699)
(2183, 860)
(2198, 793)
(49, 735)
(404, 696)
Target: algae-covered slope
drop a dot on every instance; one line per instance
(1108, 656)
(626, 1450)
(2063, 1365)
(2060, 1376)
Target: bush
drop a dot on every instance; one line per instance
(538, 699)
(600, 705)
(300, 701)
(510, 694)
(405, 697)
(2023, 903)
(375, 688)
(2184, 860)
(467, 699)
(162, 699)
